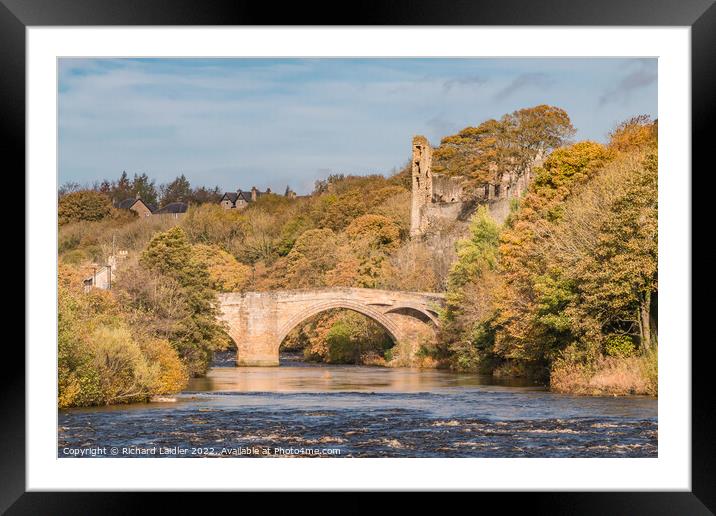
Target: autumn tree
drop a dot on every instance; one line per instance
(311, 257)
(636, 133)
(83, 205)
(618, 278)
(226, 273)
(512, 144)
(532, 297)
(374, 231)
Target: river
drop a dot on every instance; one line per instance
(307, 410)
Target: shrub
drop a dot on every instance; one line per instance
(101, 358)
(172, 375)
(619, 346)
(75, 257)
(84, 205)
(371, 358)
(605, 375)
(341, 348)
(124, 373)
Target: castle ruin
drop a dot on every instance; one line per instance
(437, 197)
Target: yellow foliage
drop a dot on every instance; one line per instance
(173, 374)
(376, 231)
(636, 133)
(226, 272)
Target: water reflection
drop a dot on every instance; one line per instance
(338, 378)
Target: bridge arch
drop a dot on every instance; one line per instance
(389, 326)
(426, 316)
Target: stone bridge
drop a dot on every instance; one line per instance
(259, 321)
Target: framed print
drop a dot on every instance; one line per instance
(436, 248)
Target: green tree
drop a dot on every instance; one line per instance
(122, 188)
(178, 190)
(203, 195)
(198, 335)
(143, 188)
(467, 333)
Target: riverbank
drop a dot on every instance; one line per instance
(623, 376)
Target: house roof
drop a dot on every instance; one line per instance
(128, 203)
(246, 196)
(230, 196)
(173, 207)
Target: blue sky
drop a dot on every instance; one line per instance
(272, 122)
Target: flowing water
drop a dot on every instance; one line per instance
(306, 410)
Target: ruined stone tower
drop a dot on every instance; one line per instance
(422, 187)
(438, 198)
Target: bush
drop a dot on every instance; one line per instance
(124, 373)
(341, 348)
(85, 205)
(172, 375)
(605, 376)
(619, 346)
(75, 257)
(101, 359)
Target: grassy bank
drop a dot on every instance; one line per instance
(607, 376)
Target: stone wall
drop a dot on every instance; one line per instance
(435, 212)
(447, 188)
(141, 209)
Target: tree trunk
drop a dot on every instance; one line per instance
(645, 321)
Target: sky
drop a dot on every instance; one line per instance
(238, 123)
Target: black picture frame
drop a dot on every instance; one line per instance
(700, 15)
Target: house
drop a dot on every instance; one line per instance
(241, 198)
(137, 206)
(175, 209)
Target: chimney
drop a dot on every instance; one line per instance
(253, 193)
